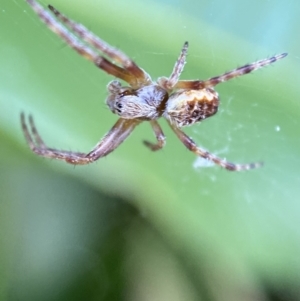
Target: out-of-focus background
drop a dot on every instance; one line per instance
(139, 225)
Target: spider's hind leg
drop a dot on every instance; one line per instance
(211, 82)
(191, 145)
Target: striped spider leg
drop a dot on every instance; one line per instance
(130, 73)
(187, 109)
(180, 102)
(119, 132)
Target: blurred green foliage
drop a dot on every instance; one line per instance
(151, 226)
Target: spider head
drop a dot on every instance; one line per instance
(118, 96)
(144, 103)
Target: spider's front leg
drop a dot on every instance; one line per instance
(131, 74)
(119, 132)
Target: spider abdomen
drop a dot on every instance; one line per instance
(187, 107)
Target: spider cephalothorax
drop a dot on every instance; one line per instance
(180, 102)
(145, 103)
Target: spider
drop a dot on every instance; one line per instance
(180, 102)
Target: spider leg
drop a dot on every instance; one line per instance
(191, 145)
(169, 83)
(200, 84)
(36, 136)
(89, 37)
(119, 132)
(160, 137)
(37, 145)
(27, 135)
(110, 142)
(79, 47)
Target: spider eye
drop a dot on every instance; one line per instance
(118, 107)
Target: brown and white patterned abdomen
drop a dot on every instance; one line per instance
(187, 107)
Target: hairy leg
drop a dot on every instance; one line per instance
(191, 145)
(160, 137)
(119, 132)
(201, 84)
(79, 47)
(169, 83)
